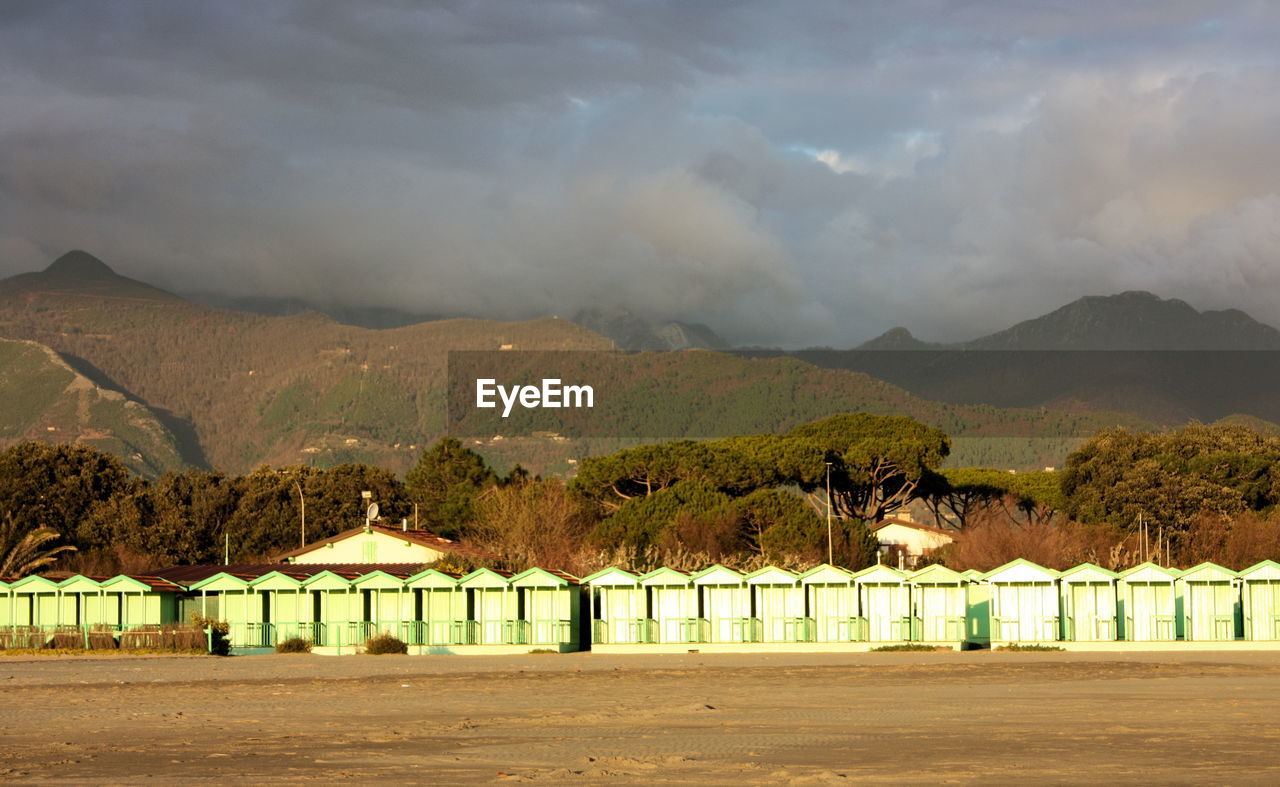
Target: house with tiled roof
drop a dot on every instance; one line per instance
(909, 539)
(374, 543)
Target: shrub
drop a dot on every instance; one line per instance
(382, 644)
(909, 647)
(294, 645)
(1015, 647)
(220, 642)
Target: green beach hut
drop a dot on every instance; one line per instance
(336, 609)
(1148, 603)
(236, 602)
(674, 607)
(548, 607)
(1024, 602)
(440, 608)
(1210, 601)
(618, 607)
(778, 599)
(884, 602)
(492, 614)
(939, 604)
(386, 607)
(286, 607)
(1260, 597)
(833, 604)
(726, 605)
(1088, 604)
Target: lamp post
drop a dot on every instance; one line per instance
(302, 503)
(302, 507)
(830, 550)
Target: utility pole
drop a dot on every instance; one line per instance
(830, 549)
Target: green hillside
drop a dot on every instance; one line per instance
(45, 399)
(238, 390)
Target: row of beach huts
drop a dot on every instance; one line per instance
(826, 608)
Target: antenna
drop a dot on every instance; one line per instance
(371, 513)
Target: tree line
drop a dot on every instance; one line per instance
(1192, 494)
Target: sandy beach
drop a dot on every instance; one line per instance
(693, 718)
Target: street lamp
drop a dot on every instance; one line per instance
(302, 503)
(830, 550)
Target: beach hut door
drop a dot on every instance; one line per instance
(1264, 603)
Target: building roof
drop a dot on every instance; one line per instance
(189, 575)
(913, 525)
(421, 537)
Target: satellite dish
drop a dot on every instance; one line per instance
(372, 513)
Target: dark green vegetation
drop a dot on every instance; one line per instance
(45, 399)
(294, 645)
(235, 390)
(1199, 493)
(383, 645)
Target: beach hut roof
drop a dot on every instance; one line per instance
(612, 576)
(665, 577)
(279, 580)
(937, 574)
(433, 578)
(717, 575)
(1208, 572)
(1149, 572)
(34, 579)
(1087, 572)
(972, 573)
(143, 582)
(1020, 570)
(1266, 570)
(879, 573)
(487, 578)
(827, 574)
(381, 579)
(542, 577)
(330, 580)
(224, 580)
(77, 581)
(772, 575)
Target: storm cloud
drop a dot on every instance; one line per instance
(789, 173)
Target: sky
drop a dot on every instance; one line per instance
(793, 174)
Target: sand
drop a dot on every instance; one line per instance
(587, 718)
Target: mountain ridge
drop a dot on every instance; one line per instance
(1130, 320)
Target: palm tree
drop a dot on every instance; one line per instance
(22, 554)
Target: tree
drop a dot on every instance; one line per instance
(24, 552)
(877, 461)
(445, 484)
(955, 494)
(1168, 480)
(58, 486)
(533, 523)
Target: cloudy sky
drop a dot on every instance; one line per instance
(795, 173)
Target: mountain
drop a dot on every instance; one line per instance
(238, 390)
(48, 401)
(376, 317)
(631, 333)
(1133, 320)
(81, 273)
(1159, 360)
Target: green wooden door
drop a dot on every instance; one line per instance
(941, 610)
(833, 608)
(676, 610)
(1264, 609)
(885, 607)
(1210, 611)
(1092, 609)
(620, 608)
(726, 608)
